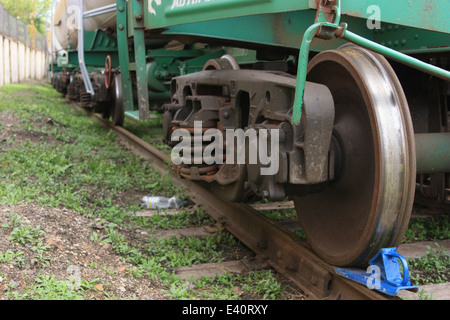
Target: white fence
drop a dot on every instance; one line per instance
(21, 58)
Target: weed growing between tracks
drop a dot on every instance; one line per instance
(431, 268)
(428, 229)
(68, 192)
(434, 266)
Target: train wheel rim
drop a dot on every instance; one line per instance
(118, 109)
(367, 206)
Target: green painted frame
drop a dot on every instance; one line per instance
(292, 24)
(428, 15)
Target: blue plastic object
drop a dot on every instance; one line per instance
(383, 274)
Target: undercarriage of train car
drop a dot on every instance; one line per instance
(336, 163)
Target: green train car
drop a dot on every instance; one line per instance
(349, 98)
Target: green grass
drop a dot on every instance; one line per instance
(431, 268)
(25, 235)
(77, 164)
(149, 130)
(186, 251)
(428, 229)
(228, 287)
(185, 218)
(280, 214)
(47, 287)
(12, 257)
(56, 156)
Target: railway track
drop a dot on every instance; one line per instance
(273, 244)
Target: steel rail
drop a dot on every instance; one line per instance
(284, 251)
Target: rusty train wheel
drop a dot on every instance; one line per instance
(367, 205)
(226, 62)
(108, 72)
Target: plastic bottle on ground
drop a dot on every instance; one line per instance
(161, 203)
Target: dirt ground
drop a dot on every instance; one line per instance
(72, 255)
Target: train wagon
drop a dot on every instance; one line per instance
(340, 105)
